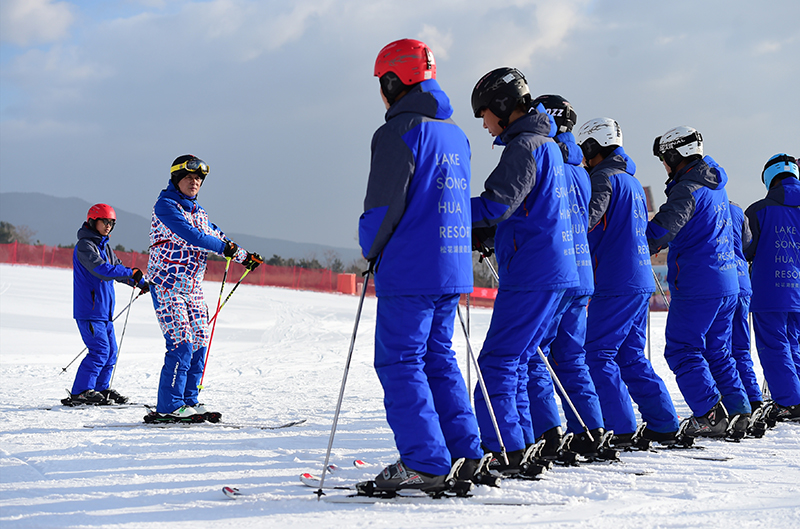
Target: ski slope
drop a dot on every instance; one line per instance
(278, 355)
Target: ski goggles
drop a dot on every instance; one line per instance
(107, 222)
(195, 165)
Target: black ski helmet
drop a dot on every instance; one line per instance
(185, 164)
(561, 110)
(500, 91)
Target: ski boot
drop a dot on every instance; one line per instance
(667, 439)
(112, 396)
(184, 414)
(557, 447)
(596, 449)
(737, 427)
(712, 424)
(210, 416)
(757, 426)
(477, 471)
(522, 464)
(397, 477)
(89, 397)
(632, 441)
(775, 413)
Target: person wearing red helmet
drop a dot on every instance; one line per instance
(415, 232)
(94, 267)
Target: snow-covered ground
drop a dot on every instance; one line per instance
(279, 355)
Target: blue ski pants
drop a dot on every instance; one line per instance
(564, 344)
(698, 333)
(778, 350)
(740, 348)
(184, 322)
(426, 400)
(98, 365)
(509, 354)
(615, 340)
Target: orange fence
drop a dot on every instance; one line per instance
(297, 278)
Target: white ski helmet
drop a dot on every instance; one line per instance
(597, 134)
(677, 144)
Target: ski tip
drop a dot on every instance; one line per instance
(231, 492)
(359, 463)
(334, 468)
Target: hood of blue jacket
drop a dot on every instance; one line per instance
(789, 188)
(172, 192)
(706, 172)
(618, 160)
(536, 122)
(85, 232)
(426, 98)
(569, 148)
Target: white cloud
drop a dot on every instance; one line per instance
(30, 22)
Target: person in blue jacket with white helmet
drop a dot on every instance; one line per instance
(415, 232)
(775, 274)
(623, 283)
(566, 335)
(95, 267)
(525, 197)
(696, 223)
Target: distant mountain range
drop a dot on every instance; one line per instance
(55, 221)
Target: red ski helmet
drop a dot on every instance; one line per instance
(101, 211)
(404, 63)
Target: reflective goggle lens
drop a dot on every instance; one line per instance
(108, 222)
(194, 165)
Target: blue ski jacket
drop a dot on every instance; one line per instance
(94, 267)
(775, 250)
(416, 220)
(580, 191)
(617, 223)
(526, 196)
(742, 237)
(695, 222)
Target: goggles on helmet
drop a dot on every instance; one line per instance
(659, 149)
(195, 165)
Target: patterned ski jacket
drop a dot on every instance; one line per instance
(775, 250)
(94, 267)
(416, 220)
(695, 222)
(742, 237)
(580, 191)
(617, 223)
(180, 238)
(526, 196)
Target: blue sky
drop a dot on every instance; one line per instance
(98, 97)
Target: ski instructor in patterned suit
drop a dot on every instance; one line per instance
(180, 238)
(415, 231)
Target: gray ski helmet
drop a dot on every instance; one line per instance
(500, 91)
(561, 110)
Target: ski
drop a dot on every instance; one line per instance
(310, 480)
(239, 426)
(427, 499)
(85, 406)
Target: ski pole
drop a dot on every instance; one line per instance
(246, 271)
(552, 373)
(485, 391)
(64, 369)
(661, 289)
(214, 326)
(122, 337)
(319, 492)
(469, 377)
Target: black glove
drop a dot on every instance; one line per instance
(144, 286)
(483, 240)
(230, 249)
(137, 275)
(252, 261)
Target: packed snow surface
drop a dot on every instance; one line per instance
(279, 355)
